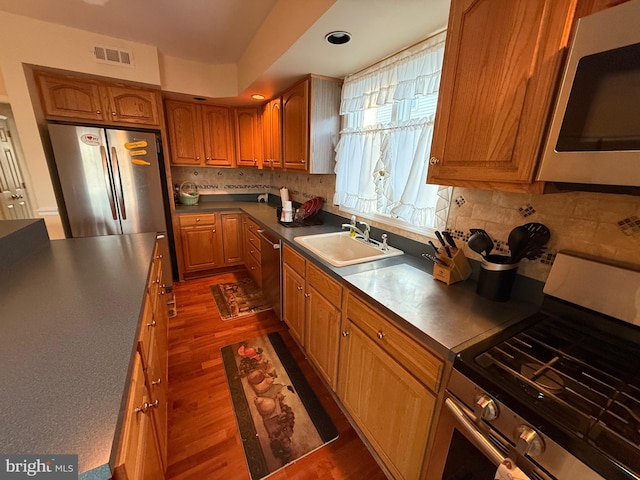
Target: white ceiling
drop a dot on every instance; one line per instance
(219, 31)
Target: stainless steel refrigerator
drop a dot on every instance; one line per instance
(110, 181)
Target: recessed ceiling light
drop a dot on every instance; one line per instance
(338, 38)
(257, 96)
(100, 3)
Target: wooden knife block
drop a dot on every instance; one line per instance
(456, 269)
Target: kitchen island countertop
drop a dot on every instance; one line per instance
(446, 318)
(69, 317)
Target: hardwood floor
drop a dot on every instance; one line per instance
(203, 441)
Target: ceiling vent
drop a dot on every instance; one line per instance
(113, 56)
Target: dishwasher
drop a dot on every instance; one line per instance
(270, 251)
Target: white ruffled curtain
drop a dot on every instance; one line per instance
(383, 168)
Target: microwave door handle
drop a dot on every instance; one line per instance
(107, 182)
(480, 441)
(116, 169)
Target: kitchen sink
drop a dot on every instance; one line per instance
(340, 249)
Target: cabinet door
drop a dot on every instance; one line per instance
(156, 380)
(271, 134)
(218, 149)
(294, 305)
(70, 97)
(248, 150)
(185, 133)
(295, 127)
(200, 247)
(133, 105)
(231, 238)
(391, 407)
(500, 69)
(322, 334)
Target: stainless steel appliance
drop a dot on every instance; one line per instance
(558, 393)
(110, 181)
(594, 137)
(271, 269)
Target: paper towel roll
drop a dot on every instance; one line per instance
(284, 195)
(287, 206)
(508, 470)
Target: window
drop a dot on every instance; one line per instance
(383, 152)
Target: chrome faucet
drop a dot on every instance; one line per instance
(384, 246)
(367, 231)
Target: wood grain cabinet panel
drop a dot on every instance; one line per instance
(310, 125)
(185, 133)
(272, 134)
(248, 144)
(501, 64)
(201, 242)
(218, 145)
(199, 134)
(70, 97)
(77, 98)
(133, 105)
(232, 248)
(293, 311)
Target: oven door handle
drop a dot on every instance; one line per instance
(466, 420)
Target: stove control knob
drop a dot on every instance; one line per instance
(485, 407)
(528, 441)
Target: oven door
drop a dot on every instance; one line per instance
(462, 450)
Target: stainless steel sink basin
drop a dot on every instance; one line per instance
(340, 249)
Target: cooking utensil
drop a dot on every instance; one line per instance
(480, 242)
(517, 241)
(435, 249)
(447, 236)
(434, 259)
(533, 247)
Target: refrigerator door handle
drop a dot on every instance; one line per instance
(107, 182)
(114, 158)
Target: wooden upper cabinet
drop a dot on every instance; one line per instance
(133, 105)
(272, 133)
(295, 124)
(69, 97)
(218, 146)
(501, 64)
(75, 98)
(311, 124)
(185, 133)
(199, 134)
(248, 145)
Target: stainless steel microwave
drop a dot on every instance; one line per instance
(594, 135)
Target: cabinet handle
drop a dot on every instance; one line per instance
(98, 112)
(152, 324)
(345, 333)
(307, 295)
(156, 382)
(434, 161)
(301, 160)
(208, 158)
(214, 230)
(163, 291)
(197, 219)
(146, 406)
(380, 334)
(299, 288)
(114, 114)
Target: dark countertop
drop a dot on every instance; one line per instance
(444, 317)
(69, 316)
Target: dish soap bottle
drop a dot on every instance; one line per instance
(352, 232)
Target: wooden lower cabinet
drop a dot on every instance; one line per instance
(293, 308)
(138, 457)
(252, 250)
(142, 451)
(322, 326)
(232, 248)
(392, 405)
(200, 248)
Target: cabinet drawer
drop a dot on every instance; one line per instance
(251, 232)
(418, 360)
(294, 260)
(320, 281)
(253, 252)
(197, 219)
(255, 270)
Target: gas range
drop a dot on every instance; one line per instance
(570, 372)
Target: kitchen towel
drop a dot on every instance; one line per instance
(508, 470)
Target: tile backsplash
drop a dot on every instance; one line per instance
(600, 224)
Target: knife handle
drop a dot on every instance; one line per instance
(440, 239)
(435, 249)
(447, 236)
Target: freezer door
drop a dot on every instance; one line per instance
(136, 177)
(84, 172)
